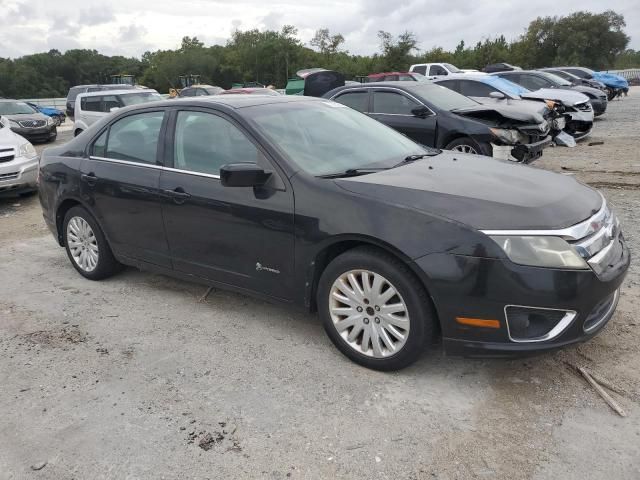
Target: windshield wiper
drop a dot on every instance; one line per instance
(353, 172)
(413, 158)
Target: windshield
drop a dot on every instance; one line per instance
(504, 85)
(137, 98)
(441, 97)
(15, 108)
(325, 137)
(557, 79)
(452, 68)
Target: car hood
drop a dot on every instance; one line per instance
(8, 138)
(568, 97)
(589, 91)
(507, 111)
(21, 117)
(534, 107)
(481, 192)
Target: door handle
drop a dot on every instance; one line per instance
(178, 195)
(89, 178)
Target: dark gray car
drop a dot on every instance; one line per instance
(28, 122)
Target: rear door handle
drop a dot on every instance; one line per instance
(178, 195)
(89, 178)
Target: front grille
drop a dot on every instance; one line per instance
(32, 123)
(7, 154)
(601, 313)
(9, 176)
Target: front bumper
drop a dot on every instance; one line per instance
(599, 105)
(483, 288)
(18, 175)
(41, 134)
(524, 153)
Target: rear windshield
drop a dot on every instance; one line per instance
(15, 108)
(137, 98)
(441, 97)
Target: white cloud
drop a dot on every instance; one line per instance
(129, 27)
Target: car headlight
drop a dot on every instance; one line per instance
(540, 251)
(49, 121)
(13, 123)
(508, 136)
(27, 150)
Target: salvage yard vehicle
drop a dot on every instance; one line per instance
(435, 69)
(78, 89)
(18, 162)
(58, 115)
(575, 104)
(500, 67)
(493, 90)
(438, 117)
(574, 79)
(91, 107)
(27, 121)
(396, 76)
(200, 91)
(388, 240)
(615, 84)
(534, 80)
(250, 91)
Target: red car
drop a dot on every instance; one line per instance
(395, 76)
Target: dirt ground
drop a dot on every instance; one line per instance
(135, 378)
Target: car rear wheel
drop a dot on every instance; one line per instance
(465, 145)
(374, 309)
(86, 245)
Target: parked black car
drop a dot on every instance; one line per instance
(499, 67)
(535, 80)
(389, 240)
(576, 80)
(438, 117)
(200, 91)
(74, 91)
(27, 121)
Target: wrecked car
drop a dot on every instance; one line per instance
(615, 84)
(534, 80)
(490, 90)
(438, 117)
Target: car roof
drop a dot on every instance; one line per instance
(201, 85)
(117, 92)
(388, 73)
(230, 101)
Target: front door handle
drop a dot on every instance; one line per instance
(178, 195)
(89, 178)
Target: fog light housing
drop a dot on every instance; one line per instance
(532, 324)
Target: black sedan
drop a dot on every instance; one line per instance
(306, 201)
(535, 80)
(435, 116)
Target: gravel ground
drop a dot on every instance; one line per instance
(135, 378)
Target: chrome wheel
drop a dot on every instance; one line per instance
(369, 313)
(465, 149)
(82, 243)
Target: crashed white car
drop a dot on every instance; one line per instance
(18, 162)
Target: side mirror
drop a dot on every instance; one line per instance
(420, 112)
(497, 95)
(113, 109)
(243, 175)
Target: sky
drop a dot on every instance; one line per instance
(131, 27)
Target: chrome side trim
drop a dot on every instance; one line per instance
(575, 232)
(157, 167)
(562, 325)
(127, 162)
(612, 307)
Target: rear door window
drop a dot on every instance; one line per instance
(392, 103)
(135, 138)
(109, 102)
(357, 100)
(533, 82)
(91, 104)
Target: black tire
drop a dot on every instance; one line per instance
(468, 142)
(419, 308)
(106, 265)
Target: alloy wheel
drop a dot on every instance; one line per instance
(82, 243)
(465, 149)
(369, 313)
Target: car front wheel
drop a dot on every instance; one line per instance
(465, 145)
(374, 309)
(86, 245)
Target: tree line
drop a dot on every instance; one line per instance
(271, 57)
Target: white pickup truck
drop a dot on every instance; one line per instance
(438, 69)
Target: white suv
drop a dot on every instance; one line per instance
(91, 107)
